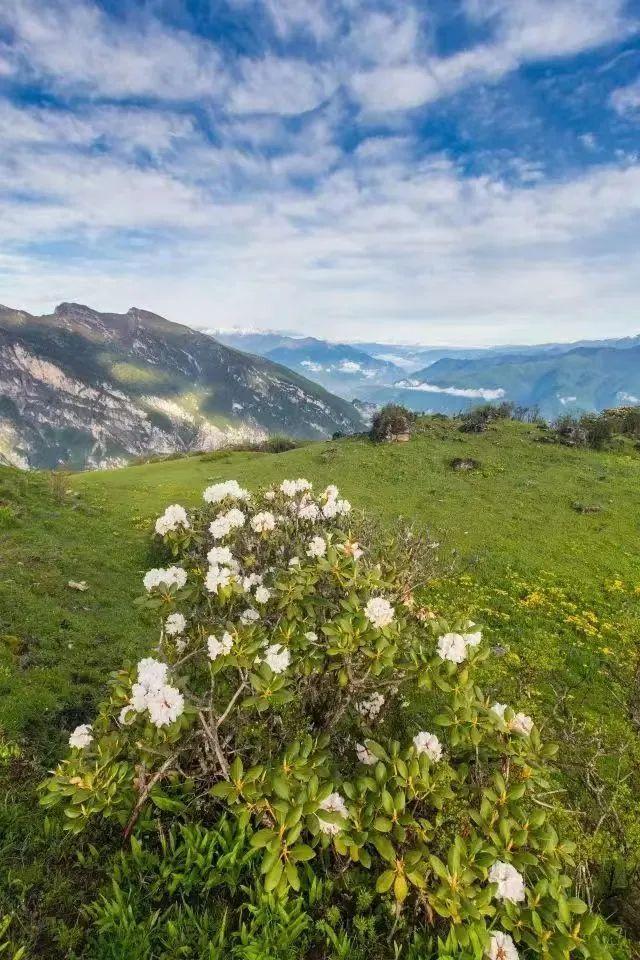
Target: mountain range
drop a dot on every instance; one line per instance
(86, 389)
(554, 377)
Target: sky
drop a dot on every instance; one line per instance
(441, 172)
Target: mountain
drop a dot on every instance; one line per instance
(585, 375)
(343, 368)
(583, 378)
(90, 389)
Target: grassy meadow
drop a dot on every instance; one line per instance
(539, 544)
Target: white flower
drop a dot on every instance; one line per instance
(165, 705)
(219, 491)
(249, 616)
(294, 562)
(428, 743)
(263, 522)
(262, 595)
(502, 947)
(510, 882)
(220, 527)
(365, 755)
(351, 548)
(221, 556)
(270, 495)
(451, 646)
(472, 639)
(217, 577)
(218, 648)
(334, 803)
(174, 516)
(152, 674)
(226, 522)
(159, 577)
(124, 713)
(81, 736)
(139, 694)
(309, 511)
(174, 624)
(520, 723)
(311, 636)
(379, 612)
(277, 658)
(291, 487)
(371, 707)
(330, 509)
(252, 580)
(343, 506)
(317, 547)
(331, 492)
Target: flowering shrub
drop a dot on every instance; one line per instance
(286, 656)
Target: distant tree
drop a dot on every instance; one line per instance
(392, 420)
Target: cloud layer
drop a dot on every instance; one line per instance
(342, 168)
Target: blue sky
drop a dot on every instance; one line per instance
(441, 172)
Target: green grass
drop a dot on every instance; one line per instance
(557, 588)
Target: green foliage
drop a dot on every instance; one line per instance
(287, 725)
(391, 421)
(533, 564)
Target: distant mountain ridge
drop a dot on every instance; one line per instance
(88, 388)
(555, 377)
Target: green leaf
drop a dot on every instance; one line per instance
(385, 848)
(400, 888)
(385, 880)
(302, 852)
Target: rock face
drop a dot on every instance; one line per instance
(90, 389)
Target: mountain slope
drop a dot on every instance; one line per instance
(586, 378)
(343, 368)
(88, 389)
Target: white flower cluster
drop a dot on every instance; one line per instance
(308, 510)
(317, 547)
(252, 580)
(159, 577)
(379, 612)
(277, 658)
(81, 736)
(365, 755)
(291, 487)
(263, 522)
(174, 516)
(502, 947)
(428, 743)
(510, 882)
(454, 646)
(371, 707)
(226, 522)
(218, 577)
(151, 692)
(249, 616)
(175, 624)
(219, 648)
(334, 803)
(519, 723)
(262, 594)
(220, 491)
(333, 505)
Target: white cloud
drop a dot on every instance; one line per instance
(470, 393)
(523, 31)
(276, 85)
(78, 47)
(626, 99)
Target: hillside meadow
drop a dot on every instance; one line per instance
(539, 543)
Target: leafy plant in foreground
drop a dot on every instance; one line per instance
(286, 652)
